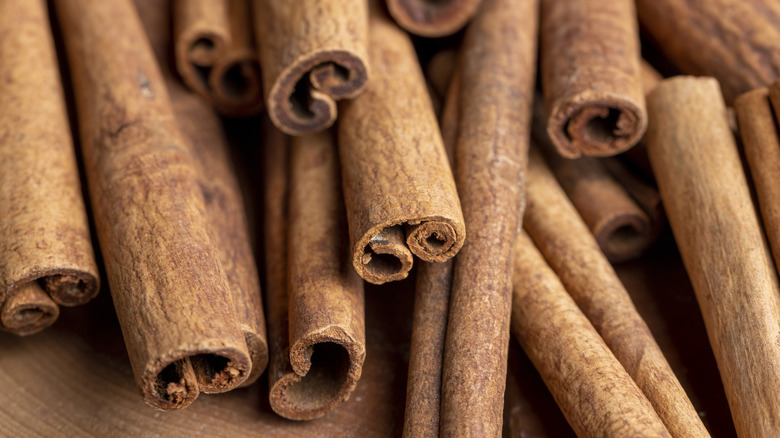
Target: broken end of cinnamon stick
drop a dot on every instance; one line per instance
(597, 126)
(435, 240)
(383, 257)
(432, 18)
(27, 310)
(172, 386)
(71, 288)
(304, 97)
(325, 369)
(624, 235)
(236, 85)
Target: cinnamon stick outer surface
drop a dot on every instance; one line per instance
(497, 76)
(717, 229)
(432, 18)
(591, 387)
(44, 232)
(169, 289)
(591, 76)
(571, 250)
(312, 53)
(398, 187)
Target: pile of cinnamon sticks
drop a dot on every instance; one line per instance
(508, 204)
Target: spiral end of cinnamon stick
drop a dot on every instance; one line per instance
(596, 127)
(175, 386)
(71, 288)
(27, 310)
(204, 48)
(218, 373)
(433, 241)
(385, 257)
(236, 85)
(303, 99)
(624, 237)
(432, 18)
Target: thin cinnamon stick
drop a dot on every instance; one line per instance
(573, 253)
(709, 38)
(312, 53)
(440, 69)
(591, 76)
(591, 387)
(44, 233)
(497, 75)
(432, 18)
(169, 288)
(215, 54)
(28, 309)
(398, 187)
(718, 232)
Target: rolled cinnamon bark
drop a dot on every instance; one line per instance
(572, 252)
(591, 76)
(591, 387)
(717, 229)
(44, 233)
(169, 288)
(398, 187)
(312, 53)
(28, 309)
(215, 54)
(708, 38)
(432, 18)
(497, 77)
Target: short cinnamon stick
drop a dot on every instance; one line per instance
(432, 18)
(44, 233)
(312, 53)
(169, 288)
(708, 203)
(591, 387)
(398, 187)
(572, 252)
(591, 76)
(28, 309)
(497, 73)
(215, 54)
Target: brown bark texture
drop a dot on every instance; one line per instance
(433, 18)
(591, 76)
(216, 55)
(718, 232)
(398, 187)
(312, 53)
(44, 233)
(497, 72)
(572, 252)
(169, 289)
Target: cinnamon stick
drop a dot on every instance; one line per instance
(591, 76)
(44, 233)
(312, 53)
(709, 38)
(398, 187)
(169, 288)
(573, 253)
(718, 232)
(497, 73)
(432, 18)
(591, 387)
(215, 54)
(322, 362)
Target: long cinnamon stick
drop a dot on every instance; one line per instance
(433, 18)
(312, 53)
(716, 227)
(44, 233)
(398, 187)
(591, 76)
(709, 37)
(591, 387)
(570, 249)
(497, 76)
(169, 288)
(215, 54)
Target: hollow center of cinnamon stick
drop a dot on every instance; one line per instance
(215, 371)
(600, 125)
(625, 239)
(171, 384)
(381, 265)
(327, 375)
(201, 50)
(234, 83)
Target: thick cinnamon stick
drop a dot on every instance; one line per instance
(709, 37)
(215, 54)
(497, 73)
(169, 288)
(44, 233)
(717, 229)
(398, 187)
(570, 249)
(312, 53)
(432, 18)
(591, 387)
(591, 76)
